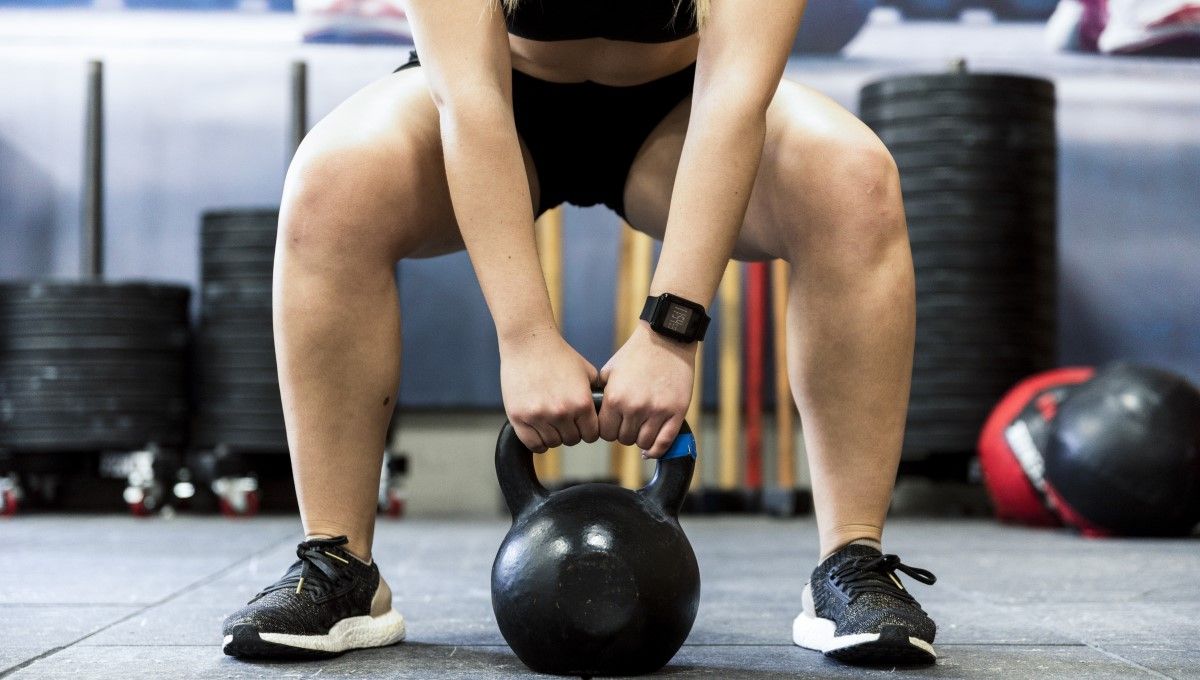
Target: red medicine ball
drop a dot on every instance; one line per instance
(1013, 442)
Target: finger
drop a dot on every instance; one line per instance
(603, 375)
(568, 430)
(609, 421)
(529, 437)
(550, 435)
(628, 432)
(666, 437)
(649, 432)
(589, 425)
(592, 374)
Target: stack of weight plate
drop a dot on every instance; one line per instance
(238, 388)
(89, 367)
(977, 159)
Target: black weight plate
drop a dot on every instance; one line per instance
(954, 230)
(972, 256)
(87, 292)
(215, 393)
(247, 336)
(216, 315)
(957, 105)
(211, 424)
(239, 220)
(89, 343)
(100, 437)
(984, 335)
(978, 204)
(241, 238)
(240, 349)
(953, 157)
(929, 362)
(87, 403)
(981, 259)
(85, 369)
(912, 183)
(1000, 324)
(250, 441)
(238, 257)
(64, 313)
(972, 137)
(972, 383)
(961, 373)
(981, 174)
(226, 374)
(1010, 85)
(234, 293)
(1011, 349)
(92, 326)
(236, 273)
(999, 306)
(258, 323)
(137, 388)
(970, 282)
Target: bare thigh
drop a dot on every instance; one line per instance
(373, 172)
(806, 169)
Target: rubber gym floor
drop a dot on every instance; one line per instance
(117, 597)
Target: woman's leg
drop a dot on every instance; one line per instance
(366, 189)
(827, 200)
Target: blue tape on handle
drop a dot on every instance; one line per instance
(684, 445)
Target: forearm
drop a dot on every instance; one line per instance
(490, 194)
(712, 189)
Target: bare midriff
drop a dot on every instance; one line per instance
(608, 62)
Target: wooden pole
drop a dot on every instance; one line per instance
(641, 261)
(621, 325)
(785, 433)
(729, 377)
(549, 231)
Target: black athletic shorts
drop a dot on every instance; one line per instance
(584, 136)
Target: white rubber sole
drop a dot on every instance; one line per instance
(356, 632)
(818, 634)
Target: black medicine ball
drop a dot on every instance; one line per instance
(1124, 456)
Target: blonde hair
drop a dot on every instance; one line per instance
(699, 7)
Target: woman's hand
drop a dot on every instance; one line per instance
(547, 390)
(647, 389)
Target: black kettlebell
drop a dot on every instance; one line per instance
(595, 579)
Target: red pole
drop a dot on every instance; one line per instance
(756, 322)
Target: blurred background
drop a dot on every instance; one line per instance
(196, 114)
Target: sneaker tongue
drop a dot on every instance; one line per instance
(847, 553)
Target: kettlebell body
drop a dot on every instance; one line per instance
(595, 579)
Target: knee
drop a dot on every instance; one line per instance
(334, 210)
(857, 221)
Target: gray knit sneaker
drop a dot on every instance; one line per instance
(857, 611)
(328, 602)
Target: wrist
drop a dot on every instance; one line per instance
(526, 335)
(645, 333)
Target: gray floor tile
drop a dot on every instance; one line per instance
(121, 560)
(1181, 662)
(1133, 623)
(439, 661)
(30, 630)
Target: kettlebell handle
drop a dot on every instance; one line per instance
(522, 490)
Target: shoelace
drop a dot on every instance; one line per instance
(318, 569)
(877, 574)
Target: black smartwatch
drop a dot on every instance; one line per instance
(675, 317)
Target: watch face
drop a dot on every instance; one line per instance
(677, 318)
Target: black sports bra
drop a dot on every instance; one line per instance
(646, 21)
